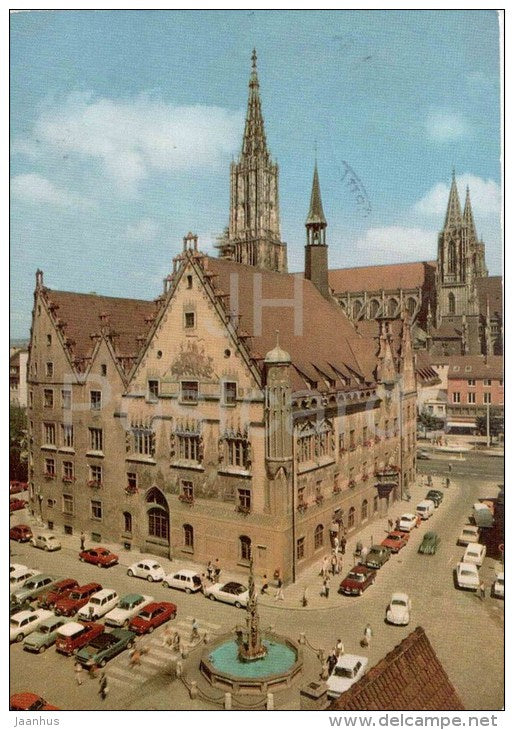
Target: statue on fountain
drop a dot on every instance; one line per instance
(250, 646)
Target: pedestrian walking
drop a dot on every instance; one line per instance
(397, 524)
(339, 650)
(366, 639)
(91, 613)
(340, 563)
(364, 554)
(305, 598)
(343, 545)
(331, 662)
(135, 657)
(103, 686)
(481, 591)
(167, 638)
(325, 590)
(77, 668)
(210, 571)
(449, 468)
(82, 541)
(265, 586)
(324, 566)
(390, 524)
(195, 634)
(203, 582)
(279, 595)
(447, 482)
(333, 563)
(336, 544)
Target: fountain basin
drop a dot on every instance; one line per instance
(222, 668)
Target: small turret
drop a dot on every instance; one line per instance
(316, 250)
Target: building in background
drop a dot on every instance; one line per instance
(475, 384)
(18, 376)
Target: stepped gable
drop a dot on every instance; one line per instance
(490, 288)
(410, 678)
(127, 320)
(325, 341)
(374, 278)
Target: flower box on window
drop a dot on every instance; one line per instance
(49, 474)
(186, 498)
(351, 483)
(68, 480)
(302, 506)
(243, 509)
(94, 483)
(131, 490)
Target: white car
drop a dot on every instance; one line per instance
(408, 522)
(232, 592)
(126, 609)
(150, 570)
(348, 670)
(398, 611)
(18, 577)
(185, 580)
(24, 622)
(99, 604)
(470, 533)
(16, 566)
(498, 587)
(467, 576)
(46, 542)
(474, 553)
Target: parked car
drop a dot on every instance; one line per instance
(20, 533)
(483, 515)
(29, 701)
(19, 576)
(105, 646)
(16, 504)
(408, 522)
(99, 556)
(498, 587)
(469, 533)
(185, 580)
(34, 586)
(425, 509)
(152, 616)
(98, 605)
(377, 556)
(16, 566)
(467, 576)
(16, 607)
(396, 540)
(148, 569)
(435, 495)
(348, 670)
(398, 611)
(69, 605)
(17, 487)
(126, 609)
(429, 544)
(46, 542)
(231, 592)
(74, 635)
(23, 623)
(45, 635)
(474, 553)
(358, 579)
(59, 590)
(421, 454)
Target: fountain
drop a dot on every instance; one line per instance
(255, 661)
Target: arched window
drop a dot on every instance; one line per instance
(318, 537)
(374, 307)
(411, 305)
(189, 536)
(245, 548)
(364, 510)
(158, 517)
(451, 303)
(127, 522)
(392, 306)
(356, 308)
(452, 258)
(351, 518)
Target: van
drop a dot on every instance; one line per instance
(74, 635)
(46, 542)
(185, 580)
(18, 577)
(425, 509)
(99, 604)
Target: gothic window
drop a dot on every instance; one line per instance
(392, 306)
(324, 440)
(374, 307)
(452, 257)
(351, 518)
(127, 522)
(235, 449)
(189, 536)
(364, 510)
(158, 523)
(411, 305)
(451, 303)
(143, 440)
(245, 548)
(188, 447)
(356, 308)
(318, 537)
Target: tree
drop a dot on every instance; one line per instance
(430, 422)
(18, 446)
(495, 421)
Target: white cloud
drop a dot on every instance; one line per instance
(135, 137)
(33, 188)
(442, 125)
(392, 244)
(142, 230)
(485, 198)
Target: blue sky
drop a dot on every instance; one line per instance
(123, 125)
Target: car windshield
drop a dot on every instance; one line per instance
(467, 572)
(356, 576)
(45, 629)
(14, 623)
(398, 602)
(468, 532)
(145, 614)
(96, 601)
(127, 604)
(343, 672)
(37, 705)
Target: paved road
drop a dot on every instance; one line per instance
(467, 634)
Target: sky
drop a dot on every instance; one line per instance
(123, 125)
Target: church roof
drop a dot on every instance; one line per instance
(490, 288)
(316, 214)
(410, 677)
(375, 278)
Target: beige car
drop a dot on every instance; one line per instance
(474, 553)
(46, 542)
(469, 533)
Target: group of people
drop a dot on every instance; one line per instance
(93, 673)
(213, 571)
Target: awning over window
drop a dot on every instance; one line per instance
(461, 424)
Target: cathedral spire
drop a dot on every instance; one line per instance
(453, 212)
(254, 139)
(468, 217)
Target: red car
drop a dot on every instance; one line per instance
(396, 540)
(99, 556)
(59, 590)
(15, 487)
(29, 701)
(76, 598)
(15, 504)
(151, 616)
(20, 533)
(358, 579)
(74, 635)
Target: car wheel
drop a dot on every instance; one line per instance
(165, 584)
(81, 560)
(130, 644)
(150, 629)
(237, 604)
(188, 591)
(360, 592)
(149, 578)
(130, 573)
(102, 663)
(212, 596)
(20, 637)
(42, 649)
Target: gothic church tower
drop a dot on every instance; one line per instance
(253, 235)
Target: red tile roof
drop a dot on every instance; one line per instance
(375, 278)
(475, 366)
(410, 677)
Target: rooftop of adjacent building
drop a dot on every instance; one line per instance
(463, 367)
